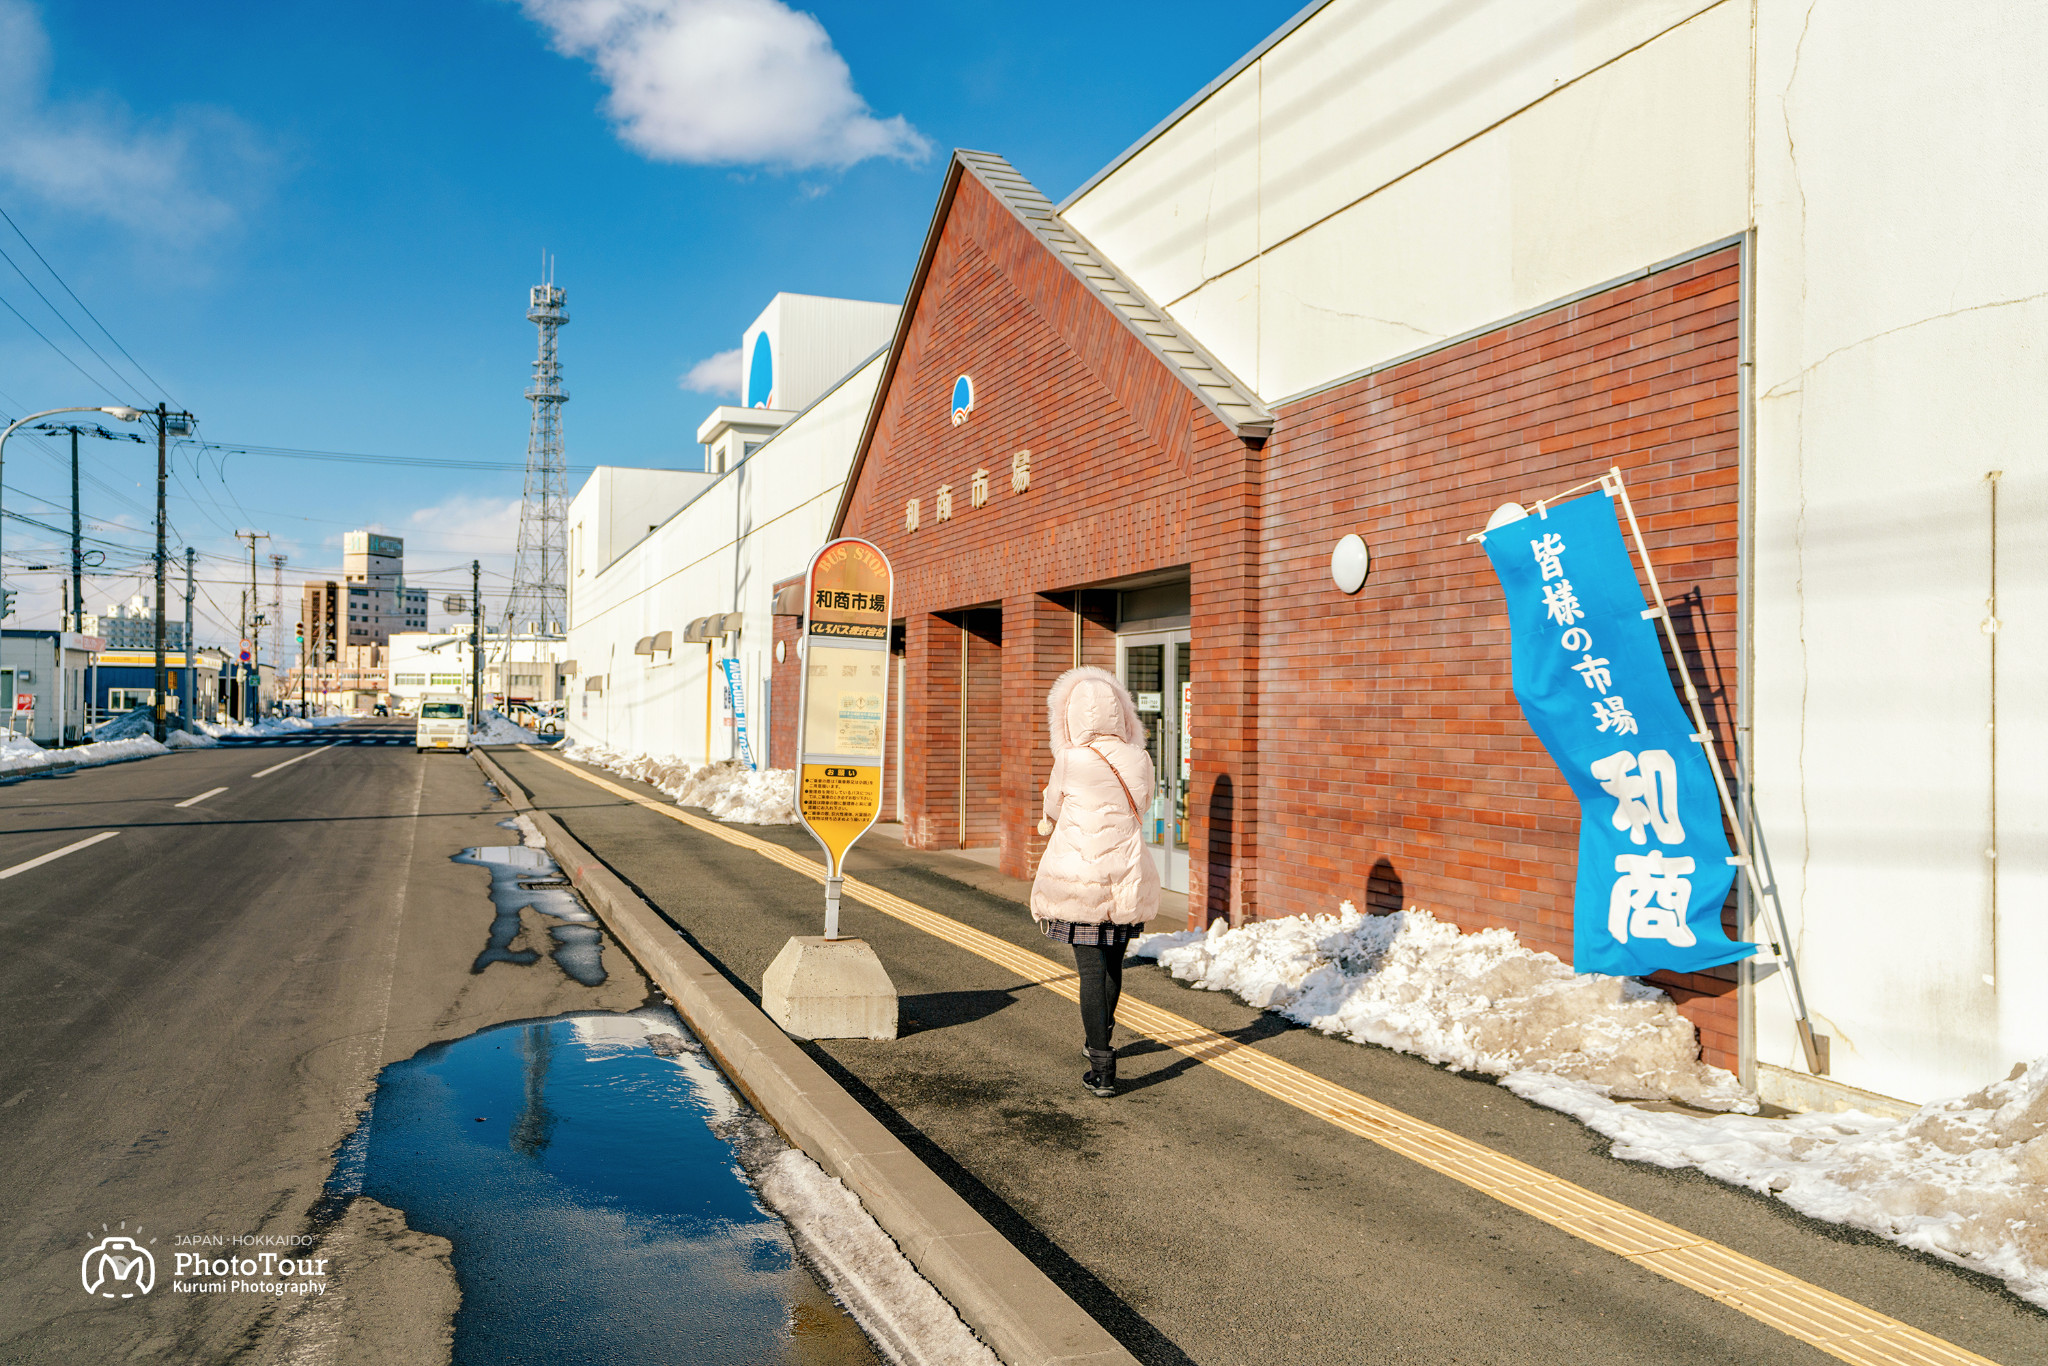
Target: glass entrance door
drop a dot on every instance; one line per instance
(1156, 667)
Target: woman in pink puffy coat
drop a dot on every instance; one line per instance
(1097, 884)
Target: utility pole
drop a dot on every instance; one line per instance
(252, 621)
(191, 664)
(163, 418)
(77, 558)
(476, 639)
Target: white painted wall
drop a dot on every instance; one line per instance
(1901, 310)
(812, 342)
(721, 552)
(618, 506)
(1392, 174)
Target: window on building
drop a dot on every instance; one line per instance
(409, 680)
(449, 680)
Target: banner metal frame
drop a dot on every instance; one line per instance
(1774, 927)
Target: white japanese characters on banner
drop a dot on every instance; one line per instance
(1592, 680)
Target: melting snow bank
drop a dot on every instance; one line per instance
(1965, 1180)
(727, 788)
(1478, 1002)
(497, 729)
(19, 754)
(269, 725)
(904, 1316)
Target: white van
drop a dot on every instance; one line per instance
(443, 724)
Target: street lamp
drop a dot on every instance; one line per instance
(119, 414)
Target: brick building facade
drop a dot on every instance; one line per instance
(1364, 746)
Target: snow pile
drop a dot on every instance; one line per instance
(136, 721)
(185, 739)
(269, 725)
(1478, 1002)
(727, 788)
(498, 730)
(19, 754)
(1964, 1179)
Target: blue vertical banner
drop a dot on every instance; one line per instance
(736, 694)
(1591, 678)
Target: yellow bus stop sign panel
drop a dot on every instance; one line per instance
(839, 802)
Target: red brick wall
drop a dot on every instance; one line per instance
(1395, 762)
(1108, 429)
(1368, 746)
(785, 679)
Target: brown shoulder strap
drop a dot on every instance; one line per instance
(1119, 781)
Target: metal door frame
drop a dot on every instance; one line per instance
(1173, 862)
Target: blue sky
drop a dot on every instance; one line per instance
(316, 225)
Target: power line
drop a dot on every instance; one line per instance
(60, 351)
(363, 458)
(119, 378)
(81, 304)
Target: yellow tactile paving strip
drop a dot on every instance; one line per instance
(1838, 1326)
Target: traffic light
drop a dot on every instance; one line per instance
(299, 632)
(6, 603)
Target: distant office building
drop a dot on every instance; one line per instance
(133, 627)
(365, 608)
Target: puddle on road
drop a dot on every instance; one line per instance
(527, 879)
(595, 1214)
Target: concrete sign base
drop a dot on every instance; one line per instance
(820, 988)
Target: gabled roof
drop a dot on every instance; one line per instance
(1233, 403)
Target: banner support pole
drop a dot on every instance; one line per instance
(1780, 936)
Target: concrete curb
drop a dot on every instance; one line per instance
(1023, 1317)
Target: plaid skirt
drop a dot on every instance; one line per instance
(1103, 936)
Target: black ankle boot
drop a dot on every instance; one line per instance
(1100, 1078)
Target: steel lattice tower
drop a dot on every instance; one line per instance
(540, 574)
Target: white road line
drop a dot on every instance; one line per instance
(6, 873)
(289, 762)
(194, 801)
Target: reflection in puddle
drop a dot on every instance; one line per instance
(594, 1212)
(527, 879)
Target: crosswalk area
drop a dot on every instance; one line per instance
(312, 738)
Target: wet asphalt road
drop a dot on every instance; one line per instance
(1204, 1222)
(194, 1009)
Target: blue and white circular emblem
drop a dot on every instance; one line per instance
(963, 399)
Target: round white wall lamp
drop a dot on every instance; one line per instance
(1350, 562)
(778, 650)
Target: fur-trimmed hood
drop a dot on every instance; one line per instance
(1088, 704)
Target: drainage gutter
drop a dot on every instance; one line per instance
(1012, 1305)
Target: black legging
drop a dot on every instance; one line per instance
(1102, 981)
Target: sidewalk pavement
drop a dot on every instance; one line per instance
(1200, 1220)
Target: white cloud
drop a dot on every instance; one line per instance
(726, 82)
(92, 156)
(719, 374)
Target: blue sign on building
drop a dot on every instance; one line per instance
(1654, 864)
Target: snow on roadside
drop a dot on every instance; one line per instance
(498, 729)
(727, 788)
(1965, 1180)
(19, 754)
(185, 739)
(269, 725)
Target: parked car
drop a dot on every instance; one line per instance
(443, 724)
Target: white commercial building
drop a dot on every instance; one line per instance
(656, 553)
